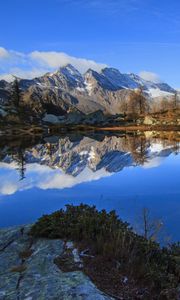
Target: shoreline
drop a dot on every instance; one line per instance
(50, 129)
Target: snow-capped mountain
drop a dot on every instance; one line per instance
(67, 89)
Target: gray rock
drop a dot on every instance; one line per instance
(35, 276)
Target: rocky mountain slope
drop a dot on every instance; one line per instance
(67, 90)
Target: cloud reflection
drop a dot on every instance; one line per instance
(43, 177)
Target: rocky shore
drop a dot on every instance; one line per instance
(28, 269)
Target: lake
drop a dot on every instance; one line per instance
(129, 173)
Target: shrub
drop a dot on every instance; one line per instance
(108, 236)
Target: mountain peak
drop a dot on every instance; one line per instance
(110, 70)
(70, 70)
(91, 71)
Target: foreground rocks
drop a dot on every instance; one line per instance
(28, 270)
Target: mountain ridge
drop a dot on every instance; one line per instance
(112, 76)
(67, 90)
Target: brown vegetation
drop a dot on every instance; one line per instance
(25, 253)
(18, 269)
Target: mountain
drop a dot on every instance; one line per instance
(68, 91)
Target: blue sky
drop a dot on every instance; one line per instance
(132, 35)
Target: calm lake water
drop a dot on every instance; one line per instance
(126, 173)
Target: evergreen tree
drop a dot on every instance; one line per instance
(21, 161)
(16, 93)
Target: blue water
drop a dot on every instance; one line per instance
(154, 185)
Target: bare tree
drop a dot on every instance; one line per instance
(142, 101)
(175, 101)
(123, 107)
(139, 150)
(137, 103)
(151, 228)
(164, 105)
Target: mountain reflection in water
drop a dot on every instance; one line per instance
(41, 175)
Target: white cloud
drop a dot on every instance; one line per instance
(153, 162)
(28, 74)
(7, 77)
(8, 188)
(56, 59)
(60, 180)
(112, 6)
(3, 53)
(36, 63)
(35, 72)
(150, 76)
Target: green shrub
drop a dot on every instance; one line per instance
(108, 236)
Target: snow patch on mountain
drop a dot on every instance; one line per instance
(156, 92)
(89, 87)
(156, 147)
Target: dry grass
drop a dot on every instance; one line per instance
(18, 269)
(25, 254)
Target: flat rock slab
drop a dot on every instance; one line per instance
(28, 272)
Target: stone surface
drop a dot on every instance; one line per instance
(28, 272)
